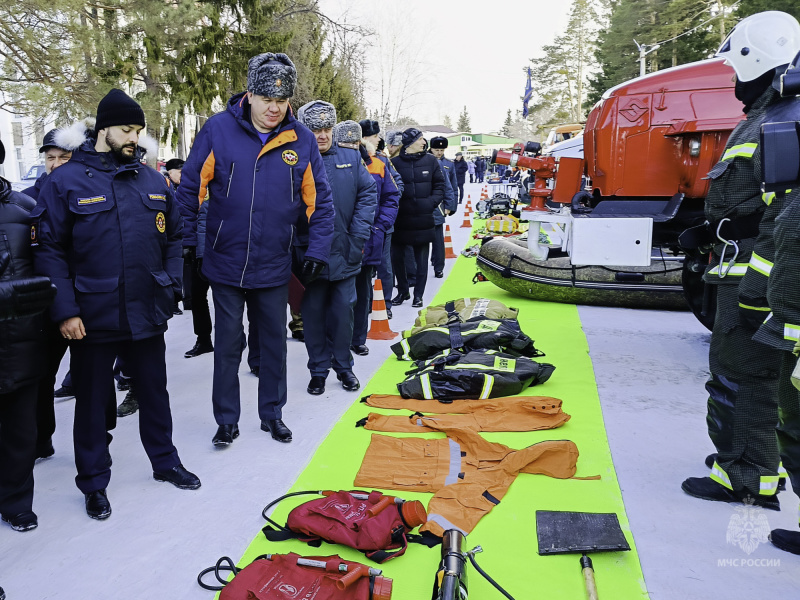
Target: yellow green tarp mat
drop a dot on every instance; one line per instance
(508, 533)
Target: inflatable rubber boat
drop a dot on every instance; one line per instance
(508, 264)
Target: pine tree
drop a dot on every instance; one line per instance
(59, 57)
(686, 30)
(750, 7)
(447, 122)
(506, 130)
(463, 121)
(560, 77)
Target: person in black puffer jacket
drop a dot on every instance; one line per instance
(424, 189)
(23, 297)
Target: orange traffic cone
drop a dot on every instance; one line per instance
(379, 329)
(467, 221)
(468, 207)
(448, 243)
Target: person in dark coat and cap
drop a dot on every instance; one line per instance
(423, 192)
(329, 301)
(461, 168)
(55, 155)
(375, 249)
(371, 135)
(446, 208)
(263, 172)
(115, 289)
(23, 297)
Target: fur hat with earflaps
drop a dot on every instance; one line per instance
(317, 114)
(271, 75)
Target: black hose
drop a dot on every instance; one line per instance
(230, 567)
(284, 497)
(486, 576)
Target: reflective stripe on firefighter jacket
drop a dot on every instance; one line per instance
(516, 413)
(468, 475)
(484, 334)
(466, 308)
(476, 374)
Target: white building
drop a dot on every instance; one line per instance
(22, 137)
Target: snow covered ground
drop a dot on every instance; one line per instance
(650, 368)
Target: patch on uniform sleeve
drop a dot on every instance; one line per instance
(505, 364)
(346, 166)
(34, 236)
(159, 197)
(290, 157)
(161, 222)
(92, 200)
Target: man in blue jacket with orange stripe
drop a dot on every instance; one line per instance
(263, 171)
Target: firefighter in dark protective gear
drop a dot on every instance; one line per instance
(743, 387)
(110, 240)
(781, 329)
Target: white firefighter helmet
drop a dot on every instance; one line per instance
(761, 42)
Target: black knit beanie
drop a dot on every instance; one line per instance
(117, 108)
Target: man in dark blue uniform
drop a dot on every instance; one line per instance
(110, 240)
(263, 171)
(328, 302)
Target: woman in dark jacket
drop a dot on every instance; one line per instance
(423, 191)
(23, 297)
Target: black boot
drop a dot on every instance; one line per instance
(786, 540)
(225, 435)
(316, 386)
(97, 505)
(706, 488)
(278, 429)
(200, 347)
(349, 381)
(400, 298)
(128, 406)
(179, 477)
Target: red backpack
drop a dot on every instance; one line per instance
(286, 576)
(375, 524)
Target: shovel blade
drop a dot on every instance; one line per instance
(576, 532)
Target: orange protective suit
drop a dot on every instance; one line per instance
(468, 475)
(512, 413)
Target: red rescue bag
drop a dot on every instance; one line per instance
(287, 576)
(375, 524)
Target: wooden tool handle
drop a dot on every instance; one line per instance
(588, 578)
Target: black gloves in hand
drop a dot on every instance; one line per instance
(311, 270)
(189, 253)
(25, 297)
